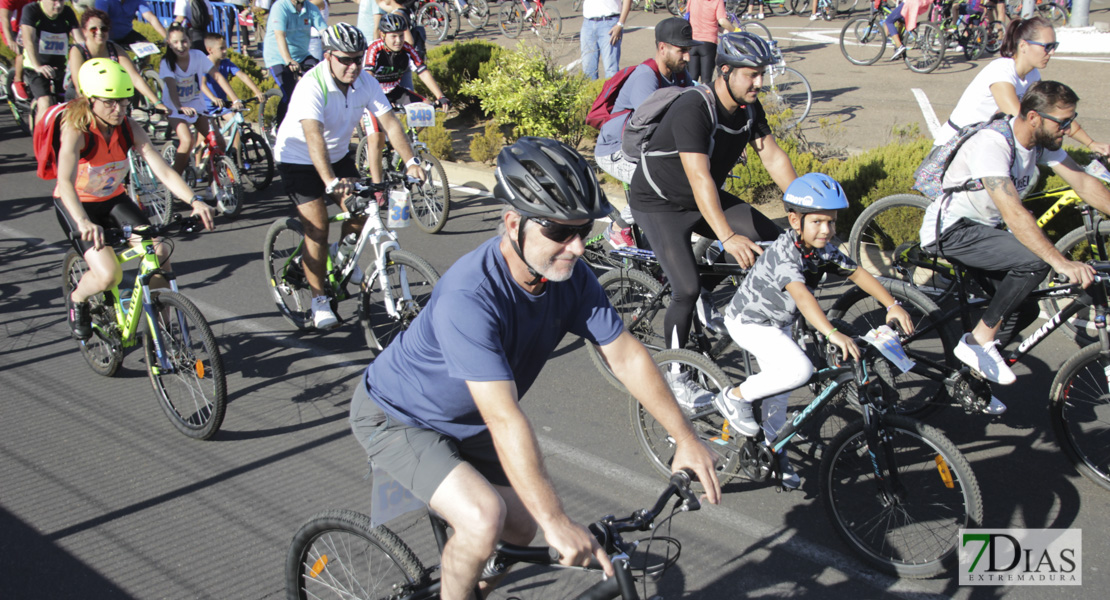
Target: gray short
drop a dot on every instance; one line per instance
(616, 165)
(419, 459)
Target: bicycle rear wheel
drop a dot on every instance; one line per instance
(189, 382)
(1080, 411)
(229, 187)
(636, 297)
(281, 264)
(757, 28)
(144, 188)
(549, 24)
(921, 391)
(1054, 13)
(709, 424)
(478, 15)
(337, 554)
(511, 19)
(975, 42)
(254, 160)
(915, 533)
(410, 280)
(103, 351)
(925, 48)
(267, 113)
(431, 200)
(434, 19)
(787, 94)
(996, 33)
(862, 41)
(779, 7)
(677, 7)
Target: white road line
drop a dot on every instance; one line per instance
(927, 111)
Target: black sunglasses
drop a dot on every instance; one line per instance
(1049, 47)
(1065, 124)
(560, 233)
(347, 61)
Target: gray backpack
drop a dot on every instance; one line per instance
(646, 118)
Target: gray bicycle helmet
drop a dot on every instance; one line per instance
(543, 178)
(393, 23)
(814, 192)
(344, 37)
(743, 49)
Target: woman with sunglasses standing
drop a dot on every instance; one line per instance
(999, 87)
(94, 24)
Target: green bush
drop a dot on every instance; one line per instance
(528, 90)
(6, 54)
(484, 147)
(452, 65)
(438, 139)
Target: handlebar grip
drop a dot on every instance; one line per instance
(681, 480)
(554, 555)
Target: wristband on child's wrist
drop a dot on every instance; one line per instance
(896, 303)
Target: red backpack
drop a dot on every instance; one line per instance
(601, 111)
(48, 139)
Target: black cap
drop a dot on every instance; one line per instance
(676, 32)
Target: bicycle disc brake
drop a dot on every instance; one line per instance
(970, 390)
(755, 460)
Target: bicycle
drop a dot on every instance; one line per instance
(215, 167)
(896, 490)
(885, 239)
(1054, 11)
(476, 13)
(389, 297)
(182, 357)
(251, 152)
(786, 92)
(863, 42)
(545, 21)
(338, 553)
(776, 7)
(967, 32)
(430, 199)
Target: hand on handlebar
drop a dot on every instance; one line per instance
(46, 71)
(443, 103)
(188, 111)
(206, 213)
(903, 318)
(91, 232)
(846, 345)
(743, 249)
(341, 189)
(1077, 272)
(700, 459)
(577, 547)
(416, 171)
(237, 105)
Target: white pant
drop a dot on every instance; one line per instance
(784, 367)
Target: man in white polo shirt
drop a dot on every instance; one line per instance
(313, 142)
(602, 29)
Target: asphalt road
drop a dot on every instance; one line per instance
(101, 498)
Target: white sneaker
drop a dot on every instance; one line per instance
(356, 274)
(814, 17)
(984, 359)
(760, 17)
(689, 394)
(899, 53)
(996, 407)
(322, 316)
(738, 412)
(709, 316)
(790, 478)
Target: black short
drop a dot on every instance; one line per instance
(303, 183)
(40, 85)
(114, 212)
(129, 38)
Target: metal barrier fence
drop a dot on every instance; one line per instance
(225, 20)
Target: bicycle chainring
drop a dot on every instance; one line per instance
(756, 460)
(969, 390)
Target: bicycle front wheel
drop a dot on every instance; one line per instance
(886, 240)
(1075, 246)
(787, 94)
(709, 424)
(1080, 411)
(408, 282)
(921, 391)
(229, 187)
(549, 24)
(281, 264)
(478, 15)
(337, 554)
(677, 7)
(511, 19)
(1054, 13)
(188, 378)
(267, 114)
(862, 41)
(254, 160)
(636, 298)
(914, 530)
(975, 42)
(431, 200)
(925, 48)
(435, 21)
(996, 34)
(103, 351)
(144, 188)
(757, 28)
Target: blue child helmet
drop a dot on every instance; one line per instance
(813, 192)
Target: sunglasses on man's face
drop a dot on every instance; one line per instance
(1065, 124)
(560, 233)
(98, 29)
(347, 61)
(1049, 47)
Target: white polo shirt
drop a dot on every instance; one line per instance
(593, 9)
(317, 98)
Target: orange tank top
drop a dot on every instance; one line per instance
(103, 169)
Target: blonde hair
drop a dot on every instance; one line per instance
(79, 114)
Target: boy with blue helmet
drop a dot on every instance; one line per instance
(777, 288)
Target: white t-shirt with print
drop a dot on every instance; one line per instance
(189, 80)
(986, 154)
(977, 103)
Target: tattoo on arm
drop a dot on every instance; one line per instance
(1000, 184)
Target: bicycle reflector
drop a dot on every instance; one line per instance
(199, 368)
(945, 474)
(318, 566)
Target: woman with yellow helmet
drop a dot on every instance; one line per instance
(96, 135)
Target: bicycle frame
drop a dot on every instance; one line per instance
(383, 241)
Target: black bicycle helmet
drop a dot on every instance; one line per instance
(344, 37)
(814, 192)
(543, 178)
(743, 49)
(393, 23)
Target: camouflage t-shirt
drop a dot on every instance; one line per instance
(762, 298)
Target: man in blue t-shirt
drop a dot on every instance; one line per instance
(121, 13)
(673, 40)
(438, 409)
(285, 47)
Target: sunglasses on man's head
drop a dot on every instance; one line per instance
(560, 233)
(347, 61)
(1065, 124)
(1049, 47)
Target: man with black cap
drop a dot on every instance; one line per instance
(602, 31)
(673, 40)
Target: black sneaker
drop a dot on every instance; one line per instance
(80, 320)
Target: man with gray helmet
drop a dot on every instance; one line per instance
(677, 188)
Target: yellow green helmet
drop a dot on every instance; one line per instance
(105, 78)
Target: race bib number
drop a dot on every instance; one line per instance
(420, 114)
(104, 180)
(144, 49)
(390, 499)
(53, 44)
(187, 88)
(886, 340)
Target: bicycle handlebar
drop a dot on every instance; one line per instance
(119, 236)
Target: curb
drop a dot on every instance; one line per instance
(482, 180)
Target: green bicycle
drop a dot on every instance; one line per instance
(182, 357)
